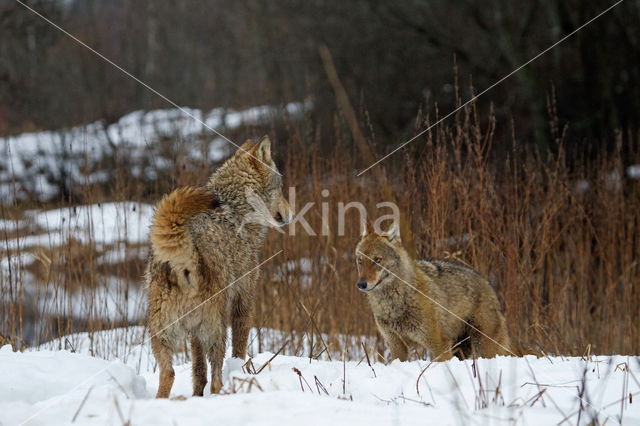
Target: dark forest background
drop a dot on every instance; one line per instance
(395, 58)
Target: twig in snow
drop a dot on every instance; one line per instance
(617, 401)
(124, 422)
(431, 362)
(536, 397)
(368, 361)
(538, 384)
(531, 401)
(321, 352)
(86, 396)
(248, 367)
(249, 383)
(313, 322)
(547, 385)
(384, 360)
(426, 404)
(122, 389)
(344, 374)
(301, 378)
(67, 342)
(320, 386)
(273, 357)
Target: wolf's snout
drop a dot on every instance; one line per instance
(284, 214)
(283, 218)
(362, 285)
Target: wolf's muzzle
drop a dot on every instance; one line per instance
(364, 286)
(282, 221)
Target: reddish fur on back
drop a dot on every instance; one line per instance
(169, 236)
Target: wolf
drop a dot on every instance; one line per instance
(201, 272)
(429, 303)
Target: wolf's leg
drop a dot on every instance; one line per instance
(464, 344)
(397, 345)
(398, 349)
(438, 345)
(440, 349)
(495, 338)
(241, 314)
(198, 366)
(216, 354)
(163, 351)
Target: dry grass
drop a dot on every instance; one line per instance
(564, 258)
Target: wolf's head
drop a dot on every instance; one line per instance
(250, 179)
(380, 257)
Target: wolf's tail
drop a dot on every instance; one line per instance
(169, 236)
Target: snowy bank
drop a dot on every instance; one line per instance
(35, 165)
(49, 387)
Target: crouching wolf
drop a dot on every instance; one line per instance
(429, 303)
(202, 247)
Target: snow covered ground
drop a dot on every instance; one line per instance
(102, 224)
(114, 232)
(32, 165)
(60, 387)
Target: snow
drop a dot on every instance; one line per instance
(112, 232)
(11, 225)
(32, 164)
(48, 387)
(120, 253)
(112, 299)
(129, 344)
(31, 380)
(49, 380)
(102, 224)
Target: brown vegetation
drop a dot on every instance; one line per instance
(561, 243)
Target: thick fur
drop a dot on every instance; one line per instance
(169, 234)
(202, 251)
(429, 303)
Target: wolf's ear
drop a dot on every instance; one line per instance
(246, 147)
(367, 228)
(262, 150)
(393, 233)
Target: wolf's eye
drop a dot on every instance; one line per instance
(377, 260)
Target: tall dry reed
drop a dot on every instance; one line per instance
(560, 241)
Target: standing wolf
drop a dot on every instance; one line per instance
(202, 247)
(407, 297)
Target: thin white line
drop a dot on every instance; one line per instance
(492, 86)
(154, 335)
(184, 111)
